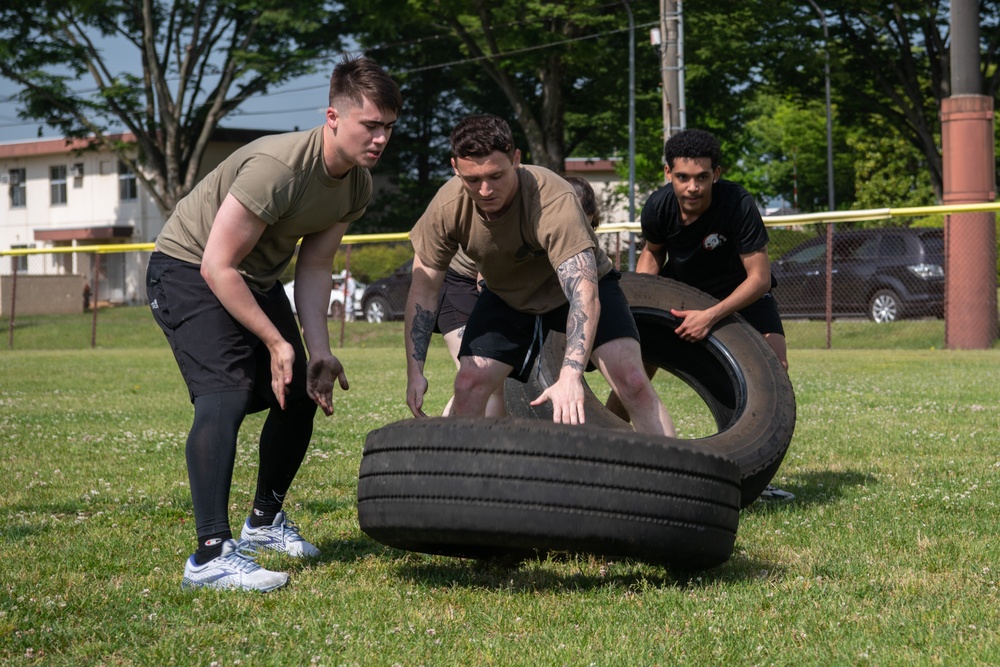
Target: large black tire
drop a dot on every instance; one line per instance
(483, 488)
(733, 370)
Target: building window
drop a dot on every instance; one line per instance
(127, 190)
(20, 261)
(18, 191)
(57, 184)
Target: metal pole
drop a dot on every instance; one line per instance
(967, 141)
(829, 177)
(96, 282)
(13, 301)
(681, 109)
(631, 134)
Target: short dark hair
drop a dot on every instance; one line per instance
(479, 136)
(357, 78)
(585, 192)
(692, 144)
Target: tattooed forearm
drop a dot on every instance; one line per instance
(420, 334)
(577, 274)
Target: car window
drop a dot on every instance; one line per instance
(933, 244)
(893, 245)
(855, 249)
(807, 255)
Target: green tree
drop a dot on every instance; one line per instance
(546, 59)
(891, 61)
(889, 171)
(193, 64)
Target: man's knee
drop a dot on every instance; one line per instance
(632, 382)
(469, 380)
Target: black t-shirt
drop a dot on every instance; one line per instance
(706, 253)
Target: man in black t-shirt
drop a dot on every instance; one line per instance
(708, 233)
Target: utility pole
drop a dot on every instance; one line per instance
(970, 314)
(670, 70)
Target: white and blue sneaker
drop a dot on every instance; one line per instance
(282, 535)
(234, 569)
(772, 492)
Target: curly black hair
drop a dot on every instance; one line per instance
(692, 144)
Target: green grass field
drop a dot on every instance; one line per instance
(888, 556)
(133, 327)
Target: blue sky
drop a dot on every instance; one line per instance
(299, 103)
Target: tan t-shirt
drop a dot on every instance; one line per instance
(281, 179)
(463, 265)
(518, 253)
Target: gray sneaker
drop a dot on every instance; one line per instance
(234, 569)
(774, 493)
(282, 535)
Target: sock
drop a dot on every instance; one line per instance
(210, 547)
(261, 517)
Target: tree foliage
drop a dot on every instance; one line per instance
(892, 62)
(547, 60)
(189, 65)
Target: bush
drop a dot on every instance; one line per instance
(371, 261)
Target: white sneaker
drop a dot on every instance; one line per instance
(282, 535)
(235, 568)
(771, 492)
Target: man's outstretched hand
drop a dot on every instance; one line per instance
(320, 374)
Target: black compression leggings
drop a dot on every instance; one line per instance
(283, 443)
(211, 454)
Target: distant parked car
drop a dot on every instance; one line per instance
(336, 309)
(883, 274)
(385, 299)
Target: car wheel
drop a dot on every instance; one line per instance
(884, 306)
(337, 310)
(733, 371)
(376, 309)
(487, 488)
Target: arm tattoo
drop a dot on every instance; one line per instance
(423, 327)
(576, 272)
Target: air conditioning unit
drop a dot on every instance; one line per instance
(76, 171)
(4, 179)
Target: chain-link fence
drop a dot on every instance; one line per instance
(880, 287)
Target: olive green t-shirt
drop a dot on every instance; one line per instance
(280, 179)
(518, 253)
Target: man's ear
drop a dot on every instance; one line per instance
(666, 173)
(332, 117)
(517, 158)
(716, 174)
(453, 167)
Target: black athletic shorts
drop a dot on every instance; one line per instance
(763, 315)
(213, 351)
(458, 297)
(497, 331)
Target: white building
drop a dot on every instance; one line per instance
(62, 194)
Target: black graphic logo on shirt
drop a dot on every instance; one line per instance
(525, 253)
(713, 241)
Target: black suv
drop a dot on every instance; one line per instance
(385, 299)
(884, 274)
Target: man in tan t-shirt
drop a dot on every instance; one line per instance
(524, 228)
(213, 289)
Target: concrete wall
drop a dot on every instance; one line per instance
(42, 295)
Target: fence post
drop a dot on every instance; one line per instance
(347, 282)
(95, 275)
(13, 302)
